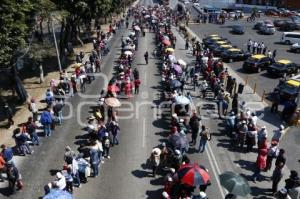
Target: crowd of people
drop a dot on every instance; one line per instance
(260, 48)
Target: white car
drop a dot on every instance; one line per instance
(295, 48)
(268, 29)
(231, 15)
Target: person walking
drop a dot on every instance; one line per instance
(194, 124)
(9, 115)
(274, 54)
(137, 83)
(260, 164)
(204, 137)
(276, 177)
(146, 57)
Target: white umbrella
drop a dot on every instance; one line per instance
(172, 58)
(137, 28)
(181, 62)
(128, 53)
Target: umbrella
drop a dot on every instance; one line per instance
(128, 53)
(181, 62)
(58, 194)
(193, 175)
(166, 42)
(182, 100)
(234, 183)
(169, 50)
(178, 141)
(112, 101)
(175, 83)
(137, 28)
(113, 88)
(177, 68)
(172, 58)
(295, 193)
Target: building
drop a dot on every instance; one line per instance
(290, 4)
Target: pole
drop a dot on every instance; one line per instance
(55, 42)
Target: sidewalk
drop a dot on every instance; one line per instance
(232, 160)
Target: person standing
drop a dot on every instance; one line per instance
(276, 177)
(34, 109)
(106, 145)
(2, 167)
(9, 115)
(194, 124)
(273, 152)
(46, 121)
(94, 161)
(31, 129)
(260, 163)
(281, 159)
(275, 101)
(249, 44)
(205, 136)
(254, 49)
(155, 160)
(146, 55)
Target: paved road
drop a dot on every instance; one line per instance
(264, 81)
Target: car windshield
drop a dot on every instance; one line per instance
(287, 88)
(280, 65)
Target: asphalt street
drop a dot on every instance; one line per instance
(263, 80)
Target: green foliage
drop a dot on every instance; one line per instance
(15, 20)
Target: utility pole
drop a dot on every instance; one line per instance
(55, 42)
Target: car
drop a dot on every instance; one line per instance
(288, 26)
(283, 68)
(279, 22)
(213, 40)
(231, 15)
(267, 29)
(258, 25)
(295, 48)
(257, 63)
(239, 13)
(237, 29)
(289, 88)
(210, 36)
(219, 50)
(234, 54)
(217, 44)
(272, 12)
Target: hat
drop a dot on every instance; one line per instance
(169, 179)
(281, 127)
(106, 134)
(174, 115)
(59, 175)
(165, 194)
(172, 170)
(91, 117)
(243, 122)
(274, 143)
(181, 120)
(177, 152)
(68, 148)
(202, 194)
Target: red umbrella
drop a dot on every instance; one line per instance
(193, 175)
(166, 42)
(113, 88)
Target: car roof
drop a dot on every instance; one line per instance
(216, 38)
(284, 61)
(234, 49)
(213, 35)
(226, 46)
(221, 42)
(293, 82)
(258, 56)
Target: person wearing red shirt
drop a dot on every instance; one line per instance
(137, 83)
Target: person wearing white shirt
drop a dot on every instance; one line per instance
(60, 181)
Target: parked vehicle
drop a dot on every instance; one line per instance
(289, 88)
(257, 63)
(290, 38)
(283, 68)
(295, 48)
(280, 22)
(238, 29)
(268, 29)
(272, 12)
(217, 44)
(213, 40)
(239, 13)
(288, 26)
(219, 50)
(258, 25)
(234, 54)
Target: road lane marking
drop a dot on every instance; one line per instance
(144, 132)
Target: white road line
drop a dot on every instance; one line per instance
(144, 132)
(145, 78)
